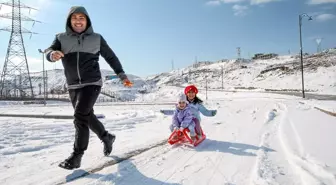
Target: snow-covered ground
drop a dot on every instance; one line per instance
(325, 105)
(255, 138)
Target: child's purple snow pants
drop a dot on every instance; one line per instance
(197, 126)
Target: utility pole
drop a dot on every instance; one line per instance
(318, 43)
(206, 88)
(301, 52)
(238, 53)
(222, 78)
(46, 79)
(40, 86)
(43, 76)
(195, 65)
(172, 65)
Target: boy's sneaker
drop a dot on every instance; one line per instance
(108, 140)
(72, 162)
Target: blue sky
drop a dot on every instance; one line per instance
(147, 35)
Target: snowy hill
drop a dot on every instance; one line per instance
(56, 83)
(124, 93)
(280, 73)
(55, 78)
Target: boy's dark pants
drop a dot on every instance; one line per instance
(83, 100)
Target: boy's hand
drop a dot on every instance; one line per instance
(127, 83)
(56, 55)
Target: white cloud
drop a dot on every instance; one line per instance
(239, 10)
(4, 10)
(213, 3)
(232, 1)
(252, 2)
(36, 65)
(321, 1)
(329, 8)
(325, 17)
(257, 2)
(40, 5)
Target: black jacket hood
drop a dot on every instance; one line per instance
(78, 9)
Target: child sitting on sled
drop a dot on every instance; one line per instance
(183, 117)
(197, 107)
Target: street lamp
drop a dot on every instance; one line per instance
(301, 53)
(44, 85)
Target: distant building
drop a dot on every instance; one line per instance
(223, 60)
(202, 63)
(263, 56)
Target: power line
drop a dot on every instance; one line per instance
(15, 76)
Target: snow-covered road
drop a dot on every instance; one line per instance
(253, 140)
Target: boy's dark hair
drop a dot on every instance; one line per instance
(196, 100)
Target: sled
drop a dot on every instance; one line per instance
(182, 137)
